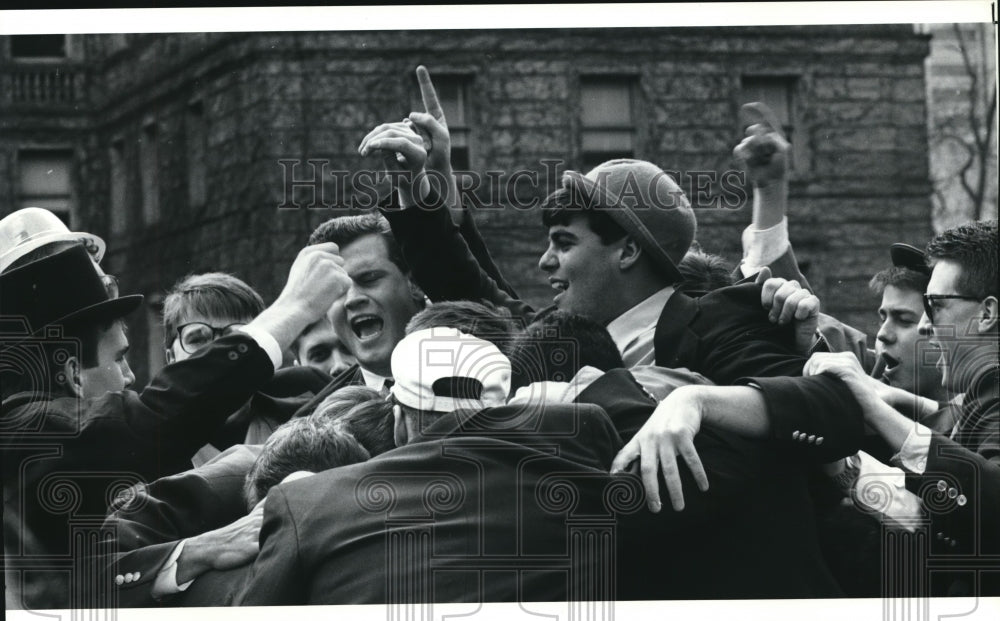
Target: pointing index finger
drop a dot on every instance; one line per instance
(428, 94)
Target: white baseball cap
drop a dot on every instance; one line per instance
(32, 227)
(443, 370)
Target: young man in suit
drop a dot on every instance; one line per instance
(481, 505)
(71, 395)
(957, 473)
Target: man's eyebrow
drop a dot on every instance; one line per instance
(562, 236)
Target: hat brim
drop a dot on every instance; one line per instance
(102, 311)
(910, 257)
(94, 245)
(625, 218)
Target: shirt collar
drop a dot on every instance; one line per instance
(638, 321)
(372, 380)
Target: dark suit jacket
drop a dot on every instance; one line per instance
(151, 519)
(348, 377)
(960, 488)
(725, 335)
(525, 489)
(69, 457)
(465, 500)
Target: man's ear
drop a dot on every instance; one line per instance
(630, 253)
(988, 318)
(399, 434)
(72, 379)
(417, 294)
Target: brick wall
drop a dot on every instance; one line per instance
(267, 97)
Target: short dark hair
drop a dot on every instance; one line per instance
(479, 319)
(563, 205)
(557, 346)
(370, 421)
(973, 246)
(212, 294)
(901, 277)
(313, 443)
(703, 272)
(345, 229)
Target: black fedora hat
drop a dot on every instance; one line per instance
(910, 257)
(63, 289)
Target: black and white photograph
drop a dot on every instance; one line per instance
(576, 312)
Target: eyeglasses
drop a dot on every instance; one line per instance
(931, 298)
(193, 336)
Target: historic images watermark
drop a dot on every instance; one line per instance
(317, 184)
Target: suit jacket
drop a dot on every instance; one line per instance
(66, 458)
(150, 520)
(348, 377)
(960, 488)
(515, 504)
(275, 403)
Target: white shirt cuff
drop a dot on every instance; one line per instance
(761, 247)
(882, 488)
(166, 578)
(267, 343)
(913, 454)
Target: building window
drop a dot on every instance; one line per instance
(149, 173)
(453, 93)
(195, 136)
(46, 181)
(607, 120)
(38, 46)
(119, 187)
(778, 92)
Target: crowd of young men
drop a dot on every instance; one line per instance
(437, 439)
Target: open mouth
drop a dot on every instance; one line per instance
(367, 327)
(559, 285)
(891, 362)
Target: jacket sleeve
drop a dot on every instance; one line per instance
(441, 261)
(149, 523)
(276, 577)
(156, 432)
(815, 418)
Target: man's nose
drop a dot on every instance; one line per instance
(547, 262)
(925, 327)
(885, 334)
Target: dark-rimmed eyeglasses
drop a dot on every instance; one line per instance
(195, 335)
(931, 298)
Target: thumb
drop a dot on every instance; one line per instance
(762, 275)
(627, 455)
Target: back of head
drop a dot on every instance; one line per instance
(703, 272)
(973, 246)
(556, 346)
(310, 443)
(369, 421)
(479, 319)
(212, 294)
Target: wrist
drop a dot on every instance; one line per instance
(285, 320)
(194, 559)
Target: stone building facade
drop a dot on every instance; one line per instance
(191, 152)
